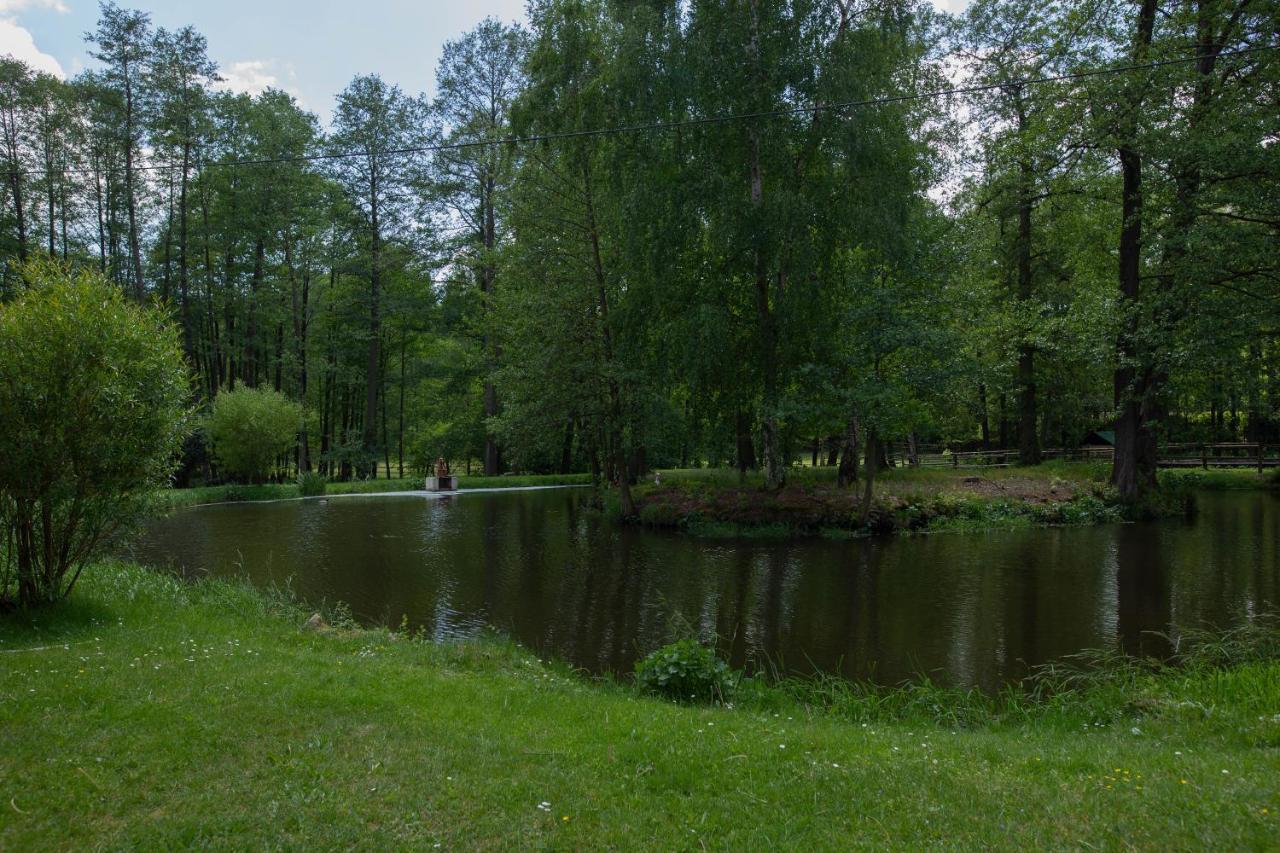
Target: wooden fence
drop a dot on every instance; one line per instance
(1225, 455)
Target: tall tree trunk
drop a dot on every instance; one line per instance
(400, 436)
(183, 241)
(102, 225)
(1133, 470)
(1028, 439)
(252, 357)
(745, 456)
(304, 441)
(873, 454)
(566, 447)
(135, 242)
(984, 422)
(49, 194)
(492, 452)
(614, 437)
(369, 438)
(775, 474)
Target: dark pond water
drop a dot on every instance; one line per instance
(969, 609)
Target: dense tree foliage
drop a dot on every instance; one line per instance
(726, 233)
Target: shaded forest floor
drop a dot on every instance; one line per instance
(152, 713)
(718, 502)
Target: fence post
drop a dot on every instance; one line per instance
(1260, 455)
(1204, 457)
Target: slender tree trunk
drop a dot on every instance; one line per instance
(252, 350)
(873, 454)
(49, 194)
(102, 225)
(135, 242)
(1028, 438)
(304, 442)
(746, 451)
(566, 447)
(492, 452)
(983, 422)
(386, 437)
(400, 437)
(617, 461)
(184, 303)
(369, 438)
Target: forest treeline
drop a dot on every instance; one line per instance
(631, 233)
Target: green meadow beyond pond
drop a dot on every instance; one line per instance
(964, 609)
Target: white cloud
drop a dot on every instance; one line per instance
(254, 76)
(18, 43)
(9, 7)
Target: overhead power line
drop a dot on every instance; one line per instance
(837, 106)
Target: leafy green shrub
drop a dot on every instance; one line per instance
(249, 428)
(93, 397)
(311, 484)
(686, 671)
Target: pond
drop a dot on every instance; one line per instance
(967, 609)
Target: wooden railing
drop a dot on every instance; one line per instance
(1222, 455)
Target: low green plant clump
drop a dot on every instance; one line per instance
(686, 671)
(1218, 479)
(312, 484)
(971, 515)
(151, 713)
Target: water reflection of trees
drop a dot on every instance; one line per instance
(973, 609)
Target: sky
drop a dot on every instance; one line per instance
(309, 48)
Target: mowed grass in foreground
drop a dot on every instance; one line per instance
(152, 713)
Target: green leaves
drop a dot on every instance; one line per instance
(686, 671)
(93, 395)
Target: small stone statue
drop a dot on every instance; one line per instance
(442, 468)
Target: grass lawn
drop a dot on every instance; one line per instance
(151, 713)
(173, 498)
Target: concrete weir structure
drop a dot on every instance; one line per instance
(447, 483)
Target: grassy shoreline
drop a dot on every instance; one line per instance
(233, 493)
(716, 503)
(150, 712)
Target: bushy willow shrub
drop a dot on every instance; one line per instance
(249, 428)
(93, 409)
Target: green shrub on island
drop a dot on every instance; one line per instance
(249, 429)
(312, 484)
(93, 402)
(686, 671)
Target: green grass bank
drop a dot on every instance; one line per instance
(173, 498)
(152, 713)
(717, 502)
